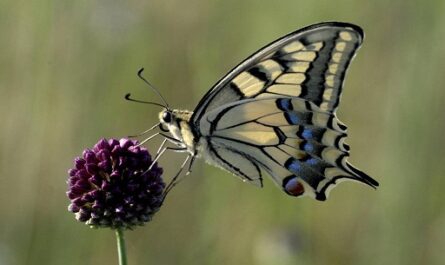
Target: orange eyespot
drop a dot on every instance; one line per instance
(293, 187)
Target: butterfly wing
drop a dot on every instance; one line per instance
(276, 111)
(300, 145)
(313, 60)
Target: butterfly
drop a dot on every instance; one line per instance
(275, 113)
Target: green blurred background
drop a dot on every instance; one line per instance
(65, 66)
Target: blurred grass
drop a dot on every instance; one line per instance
(65, 66)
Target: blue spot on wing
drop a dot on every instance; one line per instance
(292, 165)
(308, 147)
(292, 182)
(285, 104)
(292, 118)
(311, 161)
(307, 134)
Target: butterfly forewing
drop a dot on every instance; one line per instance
(276, 111)
(309, 63)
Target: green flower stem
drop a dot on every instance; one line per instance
(121, 246)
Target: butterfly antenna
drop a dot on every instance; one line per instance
(128, 97)
(152, 86)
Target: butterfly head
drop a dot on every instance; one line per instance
(167, 120)
(166, 116)
(172, 120)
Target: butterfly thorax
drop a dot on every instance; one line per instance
(177, 122)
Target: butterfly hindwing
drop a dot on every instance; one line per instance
(290, 138)
(234, 160)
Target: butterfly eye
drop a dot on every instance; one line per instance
(167, 117)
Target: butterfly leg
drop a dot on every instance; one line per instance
(172, 139)
(148, 139)
(175, 179)
(162, 149)
(146, 131)
(189, 170)
(159, 153)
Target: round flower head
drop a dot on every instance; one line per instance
(111, 186)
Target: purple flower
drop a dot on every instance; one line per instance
(111, 186)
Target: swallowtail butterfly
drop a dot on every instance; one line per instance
(275, 113)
